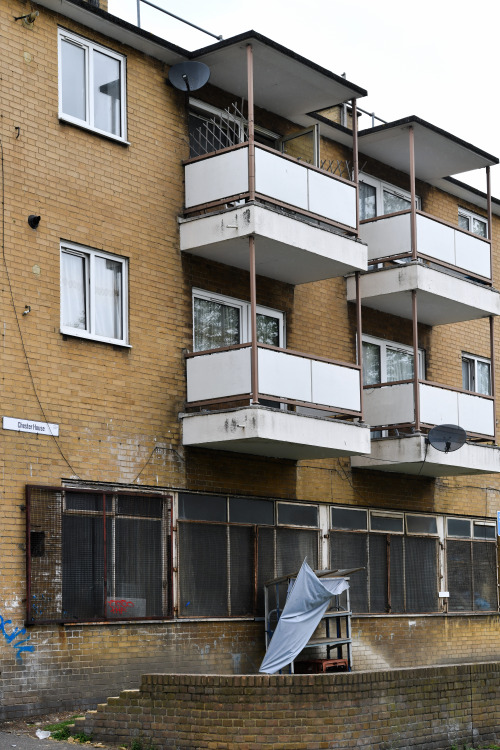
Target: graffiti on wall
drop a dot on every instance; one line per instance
(10, 637)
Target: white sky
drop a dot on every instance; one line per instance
(436, 59)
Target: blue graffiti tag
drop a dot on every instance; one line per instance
(10, 637)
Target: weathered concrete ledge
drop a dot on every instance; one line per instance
(429, 707)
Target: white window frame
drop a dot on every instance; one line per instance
(474, 359)
(380, 186)
(90, 254)
(470, 216)
(89, 47)
(245, 314)
(383, 344)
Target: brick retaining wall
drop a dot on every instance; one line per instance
(431, 707)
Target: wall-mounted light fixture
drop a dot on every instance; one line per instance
(34, 220)
(28, 19)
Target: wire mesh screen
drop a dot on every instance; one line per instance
(401, 571)
(349, 550)
(97, 556)
(44, 555)
(459, 565)
(223, 567)
(224, 129)
(484, 575)
(377, 572)
(421, 561)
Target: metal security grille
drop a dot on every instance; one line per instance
(472, 575)
(401, 572)
(95, 555)
(223, 567)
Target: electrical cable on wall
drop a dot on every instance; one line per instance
(17, 317)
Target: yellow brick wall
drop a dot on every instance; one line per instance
(118, 407)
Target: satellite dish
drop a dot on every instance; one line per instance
(447, 437)
(189, 76)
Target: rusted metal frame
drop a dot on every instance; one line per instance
(492, 363)
(454, 388)
(303, 212)
(214, 204)
(211, 154)
(416, 390)
(359, 331)
(28, 554)
(382, 217)
(201, 353)
(355, 159)
(278, 399)
(254, 356)
(389, 259)
(305, 165)
(251, 124)
(105, 553)
(488, 202)
(388, 563)
(474, 436)
(387, 383)
(413, 214)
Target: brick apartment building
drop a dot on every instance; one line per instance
(226, 295)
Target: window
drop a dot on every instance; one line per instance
(377, 198)
(476, 374)
(471, 562)
(230, 546)
(220, 321)
(91, 85)
(400, 562)
(472, 222)
(386, 361)
(93, 294)
(104, 555)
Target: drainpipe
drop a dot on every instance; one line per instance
(251, 125)
(413, 215)
(416, 392)
(355, 159)
(254, 357)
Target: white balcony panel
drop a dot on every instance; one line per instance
(476, 414)
(387, 236)
(442, 298)
(274, 433)
(435, 239)
(411, 455)
(216, 178)
(334, 385)
(281, 179)
(389, 404)
(218, 375)
(438, 405)
(331, 198)
(286, 248)
(285, 375)
(472, 254)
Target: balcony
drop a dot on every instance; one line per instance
(449, 275)
(301, 216)
(221, 381)
(391, 407)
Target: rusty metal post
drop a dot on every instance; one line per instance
(416, 392)
(355, 158)
(492, 366)
(251, 125)
(359, 327)
(413, 215)
(253, 314)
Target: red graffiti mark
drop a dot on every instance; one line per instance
(119, 606)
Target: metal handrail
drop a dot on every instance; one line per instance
(178, 18)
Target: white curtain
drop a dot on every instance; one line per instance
(108, 298)
(73, 291)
